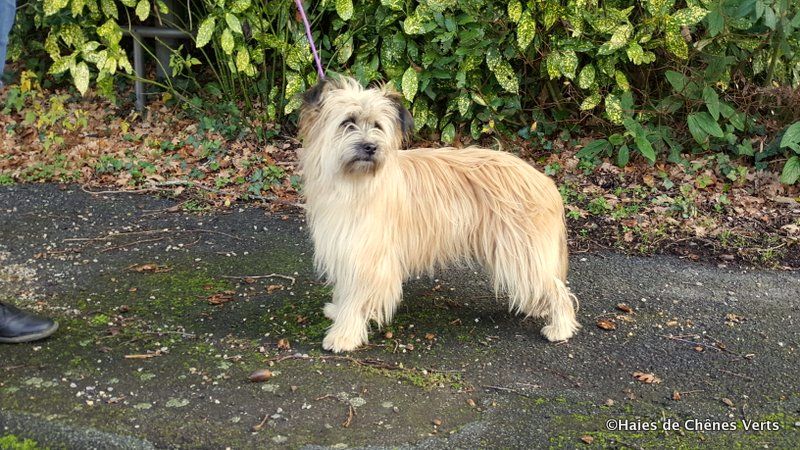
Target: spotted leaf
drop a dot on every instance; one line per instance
(614, 108)
(227, 41)
(205, 32)
(586, 79)
(344, 8)
(143, 10)
(515, 10)
(410, 84)
(591, 101)
(80, 75)
(502, 72)
(526, 30)
(687, 16)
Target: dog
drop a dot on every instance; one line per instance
(379, 215)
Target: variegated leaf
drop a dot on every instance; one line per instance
(80, 75)
(617, 41)
(448, 133)
(591, 101)
(109, 8)
(227, 41)
(675, 43)
(294, 86)
(502, 72)
(687, 16)
(344, 8)
(51, 7)
(205, 32)
(568, 63)
(622, 81)
(242, 59)
(143, 10)
(394, 5)
(614, 108)
(526, 30)
(515, 10)
(410, 84)
(233, 23)
(463, 102)
(586, 79)
(239, 6)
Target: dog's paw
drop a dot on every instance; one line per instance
(555, 333)
(330, 310)
(340, 342)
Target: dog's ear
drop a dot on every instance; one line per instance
(313, 97)
(404, 117)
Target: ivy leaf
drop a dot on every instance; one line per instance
(448, 133)
(614, 108)
(712, 101)
(707, 124)
(80, 75)
(526, 30)
(205, 31)
(410, 84)
(677, 80)
(344, 8)
(515, 10)
(502, 71)
(143, 10)
(791, 171)
(227, 41)
(233, 23)
(586, 77)
(791, 138)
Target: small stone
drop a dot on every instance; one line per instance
(437, 422)
(471, 402)
(388, 335)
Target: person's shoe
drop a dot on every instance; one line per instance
(18, 326)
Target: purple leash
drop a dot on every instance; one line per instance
(302, 11)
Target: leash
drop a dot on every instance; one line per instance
(302, 12)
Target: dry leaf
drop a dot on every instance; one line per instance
(624, 308)
(587, 439)
(260, 375)
(647, 378)
(388, 335)
(430, 336)
(149, 267)
(283, 344)
(274, 287)
(676, 396)
(728, 402)
(606, 324)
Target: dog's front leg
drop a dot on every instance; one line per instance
(371, 293)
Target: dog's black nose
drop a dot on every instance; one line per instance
(369, 149)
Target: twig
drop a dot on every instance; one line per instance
(507, 389)
(350, 413)
(256, 277)
(144, 356)
(674, 338)
(165, 230)
(260, 425)
(143, 241)
(737, 375)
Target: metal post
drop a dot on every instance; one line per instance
(164, 46)
(138, 67)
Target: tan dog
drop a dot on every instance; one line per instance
(379, 215)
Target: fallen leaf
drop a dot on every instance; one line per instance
(728, 402)
(606, 324)
(647, 378)
(260, 375)
(437, 422)
(430, 336)
(676, 396)
(149, 267)
(388, 335)
(283, 344)
(274, 287)
(587, 439)
(221, 298)
(624, 307)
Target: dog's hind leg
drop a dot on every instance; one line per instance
(560, 312)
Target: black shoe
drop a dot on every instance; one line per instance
(18, 326)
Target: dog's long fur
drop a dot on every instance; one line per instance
(377, 220)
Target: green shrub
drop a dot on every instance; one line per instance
(648, 72)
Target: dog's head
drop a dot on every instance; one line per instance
(351, 129)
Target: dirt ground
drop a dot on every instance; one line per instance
(164, 314)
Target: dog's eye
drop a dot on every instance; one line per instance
(378, 126)
(347, 122)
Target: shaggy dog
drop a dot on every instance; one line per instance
(379, 215)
